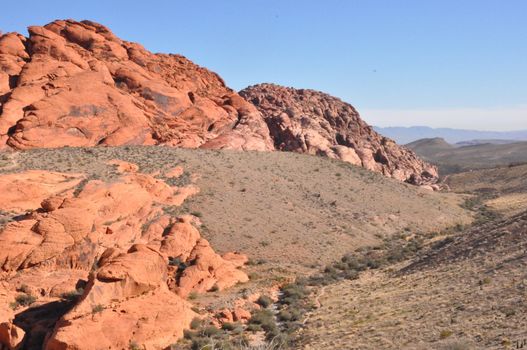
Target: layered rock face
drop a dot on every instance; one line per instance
(76, 84)
(111, 245)
(312, 122)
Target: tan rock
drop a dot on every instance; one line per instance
(241, 315)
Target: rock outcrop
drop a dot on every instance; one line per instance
(102, 263)
(76, 84)
(27, 190)
(308, 121)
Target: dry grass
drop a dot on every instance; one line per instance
(467, 293)
(291, 214)
(296, 211)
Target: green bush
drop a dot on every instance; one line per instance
(97, 309)
(23, 300)
(254, 327)
(210, 331)
(265, 319)
(264, 301)
(195, 323)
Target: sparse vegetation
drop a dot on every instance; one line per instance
(206, 336)
(134, 346)
(96, 309)
(23, 300)
(264, 301)
(73, 295)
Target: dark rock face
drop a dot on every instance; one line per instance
(312, 122)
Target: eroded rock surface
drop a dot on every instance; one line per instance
(308, 121)
(93, 267)
(76, 84)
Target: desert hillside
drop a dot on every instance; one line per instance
(453, 159)
(462, 289)
(465, 292)
(77, 84)
(146, 205)
(126, 209)
(257, 202)
(503, 189)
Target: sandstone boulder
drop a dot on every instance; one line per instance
(125, 301)
(99, 261)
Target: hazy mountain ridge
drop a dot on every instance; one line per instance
(452, 159)
(404, 135)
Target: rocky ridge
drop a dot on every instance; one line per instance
(80, 269)
(309, 121)
(76, 84)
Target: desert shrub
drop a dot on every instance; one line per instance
(292, 293)
(23, 300)
(207, 336)
(210, 331)
(227, 326)
(177, 262)
(252, 262)
(265, 319)
(73, 295)
(445, 334)
(195, 323)
(253, 276)
(285, 316)
(97, 309)
(24, 288)
(264, 301)
(254, 327)
(134, 346)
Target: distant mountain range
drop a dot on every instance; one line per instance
(464, 157)
(404, 135)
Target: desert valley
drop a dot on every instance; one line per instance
(144, 204)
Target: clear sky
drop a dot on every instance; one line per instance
(449, 63)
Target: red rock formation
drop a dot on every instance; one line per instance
(112, 242)
(126, 300)
(76, 84)
(312, 122)
(26, 191)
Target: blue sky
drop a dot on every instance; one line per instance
(436, 62)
